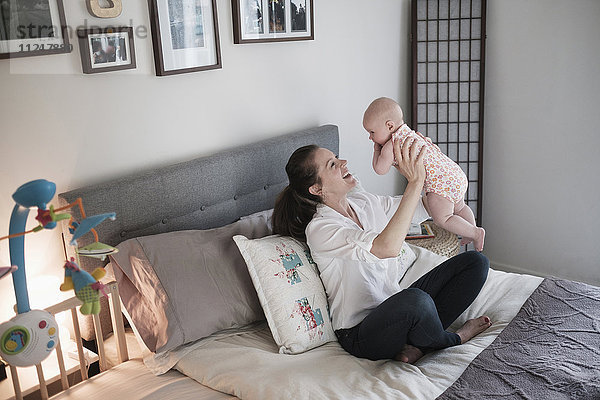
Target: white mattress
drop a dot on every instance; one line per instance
(132, 380)
(248, 365)
(246, 362)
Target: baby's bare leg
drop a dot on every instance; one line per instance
(442, 211)
(464, 211)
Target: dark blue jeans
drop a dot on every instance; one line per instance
(420, 314)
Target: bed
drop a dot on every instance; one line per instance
(544, 340)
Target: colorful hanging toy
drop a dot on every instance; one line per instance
(30, 336)
(86, 286)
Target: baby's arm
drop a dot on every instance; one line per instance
(383, 157)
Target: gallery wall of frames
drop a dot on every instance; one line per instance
(185, 33)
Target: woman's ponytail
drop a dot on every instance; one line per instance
(295, 205)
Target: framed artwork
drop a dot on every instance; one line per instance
(106, 49)
(32, 28)
(185, 36)
(256, 21)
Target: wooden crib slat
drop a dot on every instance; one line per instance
(70, 305)
(43, 387)
(16, 384)
(117, 322)
(82, 363)
(99, 342)
(61, 366)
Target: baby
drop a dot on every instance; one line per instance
(445, 182)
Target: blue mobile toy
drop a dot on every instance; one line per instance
(30, 336)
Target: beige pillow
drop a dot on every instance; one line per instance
(290, 291)
(181, 286)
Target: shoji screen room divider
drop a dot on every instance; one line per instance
(448, 49)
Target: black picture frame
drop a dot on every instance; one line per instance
(261, 21)
(35, 28)
(184, 42)
(106, 49)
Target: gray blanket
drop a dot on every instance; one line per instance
(550, 351)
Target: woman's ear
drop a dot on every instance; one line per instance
(315, 190)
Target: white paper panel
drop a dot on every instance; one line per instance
(443, 51)
(465, 29)
(432, 113)
(474, 112)
(453, 112)
(474, 90)
(463, 154)
(473, 151)
(443, 92)
(432, 12)
(421, 30)
(432, 30)
(463, 132)
(443, 30)
(474, 132)
(475, 71)
(463, 112)
(431, 72)
(421, 52)
(473, 170)
(465, 8)
(453, 132)
(463, 88)
(432, 51)
(422, 93)
(443, 113)
(465, 49)
(432, 93)
(452, 151)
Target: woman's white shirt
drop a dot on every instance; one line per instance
(356, 280)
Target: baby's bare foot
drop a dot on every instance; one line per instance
(472, 328)
(409, 354)
(465, 241)
(479, 239)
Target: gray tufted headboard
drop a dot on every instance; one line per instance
(203, 193)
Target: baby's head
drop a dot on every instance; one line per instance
(382, 118)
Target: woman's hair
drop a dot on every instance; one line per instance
(295, 205)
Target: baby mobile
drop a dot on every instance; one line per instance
(30, 336)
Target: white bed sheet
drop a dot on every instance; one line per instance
(246, 363)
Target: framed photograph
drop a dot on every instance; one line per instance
(185, 36)
(106, 49)
(256, 21)
(32, 28)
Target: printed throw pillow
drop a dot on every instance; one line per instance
(290, 291)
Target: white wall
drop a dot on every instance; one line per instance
(541, 200)
(77, 129)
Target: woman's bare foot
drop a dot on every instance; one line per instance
(409, 354)
(472, 328)
(478, 240)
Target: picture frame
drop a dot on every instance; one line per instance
(287, 20)
(106, 49)
(185, 36)
(33, 28)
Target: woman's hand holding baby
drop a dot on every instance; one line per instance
(409, 160)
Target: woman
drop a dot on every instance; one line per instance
(356, 239)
